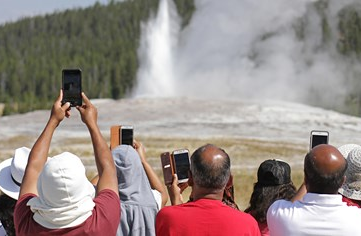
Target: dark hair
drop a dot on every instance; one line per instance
(213, 175)
(319, 182)
(7, 205)
(263, 196)
(228, 197)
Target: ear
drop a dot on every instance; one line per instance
(190, 178)
(230, 182)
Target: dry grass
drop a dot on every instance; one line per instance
(246, 155)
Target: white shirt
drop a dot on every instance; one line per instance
(158, 198)
(315, 214)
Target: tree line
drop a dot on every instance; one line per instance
(102, 40)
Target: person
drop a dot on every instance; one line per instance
(11, 175)
(317, 208)
(206, 214)
(141, 191)
(351, 189)
(273, 183)
(56, 198)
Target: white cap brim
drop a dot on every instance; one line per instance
(7, 184)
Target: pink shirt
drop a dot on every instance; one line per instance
(103, 221)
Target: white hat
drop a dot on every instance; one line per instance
(65, 195)
(12, 172)
(352, 187)
(347, 148)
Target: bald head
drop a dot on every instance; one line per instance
(324, 169)
(210, 167)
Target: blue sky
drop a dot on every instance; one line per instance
(12, 10)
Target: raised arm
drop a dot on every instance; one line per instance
(39, 152)
(300, 193)
(153, 178)
(103, 157)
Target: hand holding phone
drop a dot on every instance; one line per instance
(71, 85)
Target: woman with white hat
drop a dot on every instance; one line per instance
(56, 198)
(351, 188)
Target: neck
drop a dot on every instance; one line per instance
(213, 194)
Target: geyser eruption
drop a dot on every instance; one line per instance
(156, 75)
(255, 50)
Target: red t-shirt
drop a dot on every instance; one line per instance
(104, 220)
(205, 217)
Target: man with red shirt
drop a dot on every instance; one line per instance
(206, 214)
(55, 196)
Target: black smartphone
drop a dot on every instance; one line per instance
(181, 164)
(318, 137)
(71, 84)
(126, 134)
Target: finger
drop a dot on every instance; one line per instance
(66, 106)
(175, 180)
(80, 109)
(135, 143)
(60, 97)
(85, 98)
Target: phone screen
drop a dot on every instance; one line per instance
(72, 87)
(127, 135)
(319, 137)
(182, 165)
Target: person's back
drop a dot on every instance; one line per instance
(206, 214)
(205, 217)
(314, 215)
(140, 202)
(321, 210)
(273, 183)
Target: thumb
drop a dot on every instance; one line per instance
(175, 180)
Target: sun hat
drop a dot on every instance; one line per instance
(274, 172)
(347, 148)
(12, 172)
(65, 195)
(352, 187)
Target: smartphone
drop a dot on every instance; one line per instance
(181, 164)
(71, 84)
(126, 133)
(167, 167)
(318, 137)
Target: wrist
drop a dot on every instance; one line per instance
(53, 122)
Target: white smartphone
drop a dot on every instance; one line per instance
(318, 137)
(181, 164)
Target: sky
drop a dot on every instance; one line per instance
(13, 10)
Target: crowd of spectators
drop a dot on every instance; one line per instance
(42, 195)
